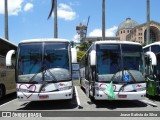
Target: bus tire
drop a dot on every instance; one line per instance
(91, 97)
(2, 91)
(69, 100)
(147, 95)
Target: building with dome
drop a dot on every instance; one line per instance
(130, 30)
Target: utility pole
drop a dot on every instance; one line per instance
(54, 7)
(6, 19)
(55, 20)
(148, 22)
(103, 19)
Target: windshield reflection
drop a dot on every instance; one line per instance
(43, 62)
(115, 62)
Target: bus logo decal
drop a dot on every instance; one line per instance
(139, 85)
(103, 84)
(27, 96)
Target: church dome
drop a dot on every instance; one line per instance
(128, 24)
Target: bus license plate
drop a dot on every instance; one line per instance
(43, 97)
(122, 96)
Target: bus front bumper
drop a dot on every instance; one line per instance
(100, 95)
(56, 95)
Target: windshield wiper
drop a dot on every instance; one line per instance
(34, 82)
(45, 82)
(44, 68)
(126, 83)
(118, 67)
(52, 75)
(31, 80)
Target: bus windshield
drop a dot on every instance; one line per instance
(39, 62)
(120, 63)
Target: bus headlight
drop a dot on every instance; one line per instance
(65, 88)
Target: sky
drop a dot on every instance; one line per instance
(28, 18)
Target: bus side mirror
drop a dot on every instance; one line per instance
(9, 57)
(74, 55)
(152, 57)
(92, 57)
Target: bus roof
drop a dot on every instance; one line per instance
(45, 40)
(116, 42)
(155, 43)
(7, 41)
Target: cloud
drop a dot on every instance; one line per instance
(14, 7)
(28, 7)
(76, 38)
(109, 32)
(75, 3)
(66, 12)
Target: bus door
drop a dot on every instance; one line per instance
(90, 73)
(87, 76)
(150, 77)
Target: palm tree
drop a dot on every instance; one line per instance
(54, 7)
(6, 19)
(103, 19)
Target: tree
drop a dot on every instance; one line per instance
(72, 43)
(54, 8)
(80, 55)
(83, 48)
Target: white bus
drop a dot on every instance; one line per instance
(7, 74)
(153, 69)
(113, 70)
(43, 69)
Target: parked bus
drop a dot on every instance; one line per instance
(153, 69)
(7, 74)
(43, 69)
(113, 70)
